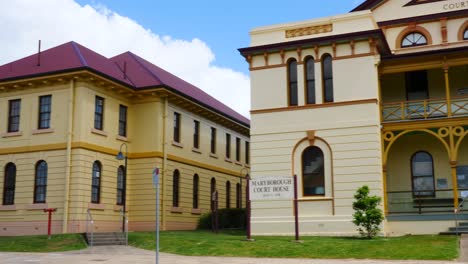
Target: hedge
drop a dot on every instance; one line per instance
(228, 219)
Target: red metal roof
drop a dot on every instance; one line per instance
(126, 68)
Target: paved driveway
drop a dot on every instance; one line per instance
(122, 254)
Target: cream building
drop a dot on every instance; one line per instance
(374, 97)
(65, 114)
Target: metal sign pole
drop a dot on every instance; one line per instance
(156, 184)
(296, 213)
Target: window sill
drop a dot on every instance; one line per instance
(99, 132)
(196, 150)
(315, 198)
(177, 144)
(12, 134)
(122, 138)
(177, 210)
(196, 211)
(8, 207)
(247, 165)
(214, 156)
(118, 208)
(37, 206)
(42, 131)
(94, 206)
(238, 163)
(227, 159)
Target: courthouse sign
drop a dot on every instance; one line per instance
(271, 188)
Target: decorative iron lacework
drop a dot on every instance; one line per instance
(298, 32)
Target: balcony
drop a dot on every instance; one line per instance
(424, 109)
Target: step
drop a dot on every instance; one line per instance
(101, 239)
(453, 232)
(460, 228)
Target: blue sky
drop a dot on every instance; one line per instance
(194, 40)
(222, 25)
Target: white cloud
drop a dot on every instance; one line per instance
(24, 22)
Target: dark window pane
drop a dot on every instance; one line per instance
(238, 195)
(238, 148)
(292, 82)
(213, 140)
(413, 39)
(9, 184)
(122, 121)
(195, 191)
(120, 185)
(313, 172)
(293, 94)
(212, 192)
(175, 189)
(228, 194)
(310, 80)
(228, 146)
(14, 115)
(176, 127)
(196, 134)
(45, 109)
(465, 35)
(40, 182)
(327, 78)
(247, 152)
(422, 171)
(99, 113)
(96, 182)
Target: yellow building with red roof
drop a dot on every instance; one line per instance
(68, 111)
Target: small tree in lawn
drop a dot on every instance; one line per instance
(367, 215)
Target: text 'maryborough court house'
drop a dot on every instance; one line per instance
(66, 112)
(377, 97)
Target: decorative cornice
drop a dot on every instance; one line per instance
(305, 31)
(314, 106)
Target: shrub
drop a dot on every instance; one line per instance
(367, 215)
(228, 219)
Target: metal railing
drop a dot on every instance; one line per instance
(424, 109)
(420, 201)
(89, 228)
(456, 211)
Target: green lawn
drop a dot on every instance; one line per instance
(199, 243)
(42, 244)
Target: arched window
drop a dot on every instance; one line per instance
(313, 172)
(175, 188)
(120, 185)
(327, 75)
(96, 182)
(196, 181)
(422, 172)
(212, 192)
(9, 184)
(310, 80)
(465, 34)
(238, 195)
(228, 194)
(292, 82)
(40, 183)
(413, 39)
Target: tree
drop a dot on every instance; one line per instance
(367, 215)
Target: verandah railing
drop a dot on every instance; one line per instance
(424, 109)
(423, 201)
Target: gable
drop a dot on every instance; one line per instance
(386, 10)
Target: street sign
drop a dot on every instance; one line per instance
(271, 188)
(155, 177)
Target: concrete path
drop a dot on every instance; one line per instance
(464, 248)
(130, 255)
